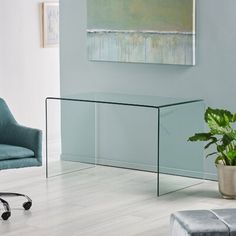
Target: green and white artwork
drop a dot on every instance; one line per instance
(144, 31)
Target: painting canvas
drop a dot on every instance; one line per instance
(144, 31)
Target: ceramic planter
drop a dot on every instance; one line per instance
(227, 180)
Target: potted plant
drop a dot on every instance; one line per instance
(222, 136)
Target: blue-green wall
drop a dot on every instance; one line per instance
(213, 78)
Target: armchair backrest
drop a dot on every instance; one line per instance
(12, 133)
(6, 116)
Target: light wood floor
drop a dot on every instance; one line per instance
(100, 201)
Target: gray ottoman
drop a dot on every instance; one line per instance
(221, 222)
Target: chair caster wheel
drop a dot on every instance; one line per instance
(27, 205)
(6, 215)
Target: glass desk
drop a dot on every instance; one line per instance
(137, 132)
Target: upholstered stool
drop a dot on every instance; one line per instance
(221, 222)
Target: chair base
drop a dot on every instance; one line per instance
(7, 210)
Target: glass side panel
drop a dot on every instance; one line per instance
(126, 99)
(181, 162)
(71, 136)
(126, 138)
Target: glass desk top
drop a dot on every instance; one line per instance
(127, 99)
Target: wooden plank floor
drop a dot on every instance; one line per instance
(101, 201)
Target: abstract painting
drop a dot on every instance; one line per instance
(144, 31)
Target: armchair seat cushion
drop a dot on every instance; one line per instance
(8, 152)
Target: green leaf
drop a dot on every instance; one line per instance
(227, 139)
(232, 135)
(218, 120)
(221, 148)
(231, 154)
(234, 118)
(222, 134)
(200, 137)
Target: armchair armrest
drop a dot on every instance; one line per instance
(18, 135)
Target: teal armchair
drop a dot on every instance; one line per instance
(19, 147)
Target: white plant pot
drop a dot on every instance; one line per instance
(227, 180)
